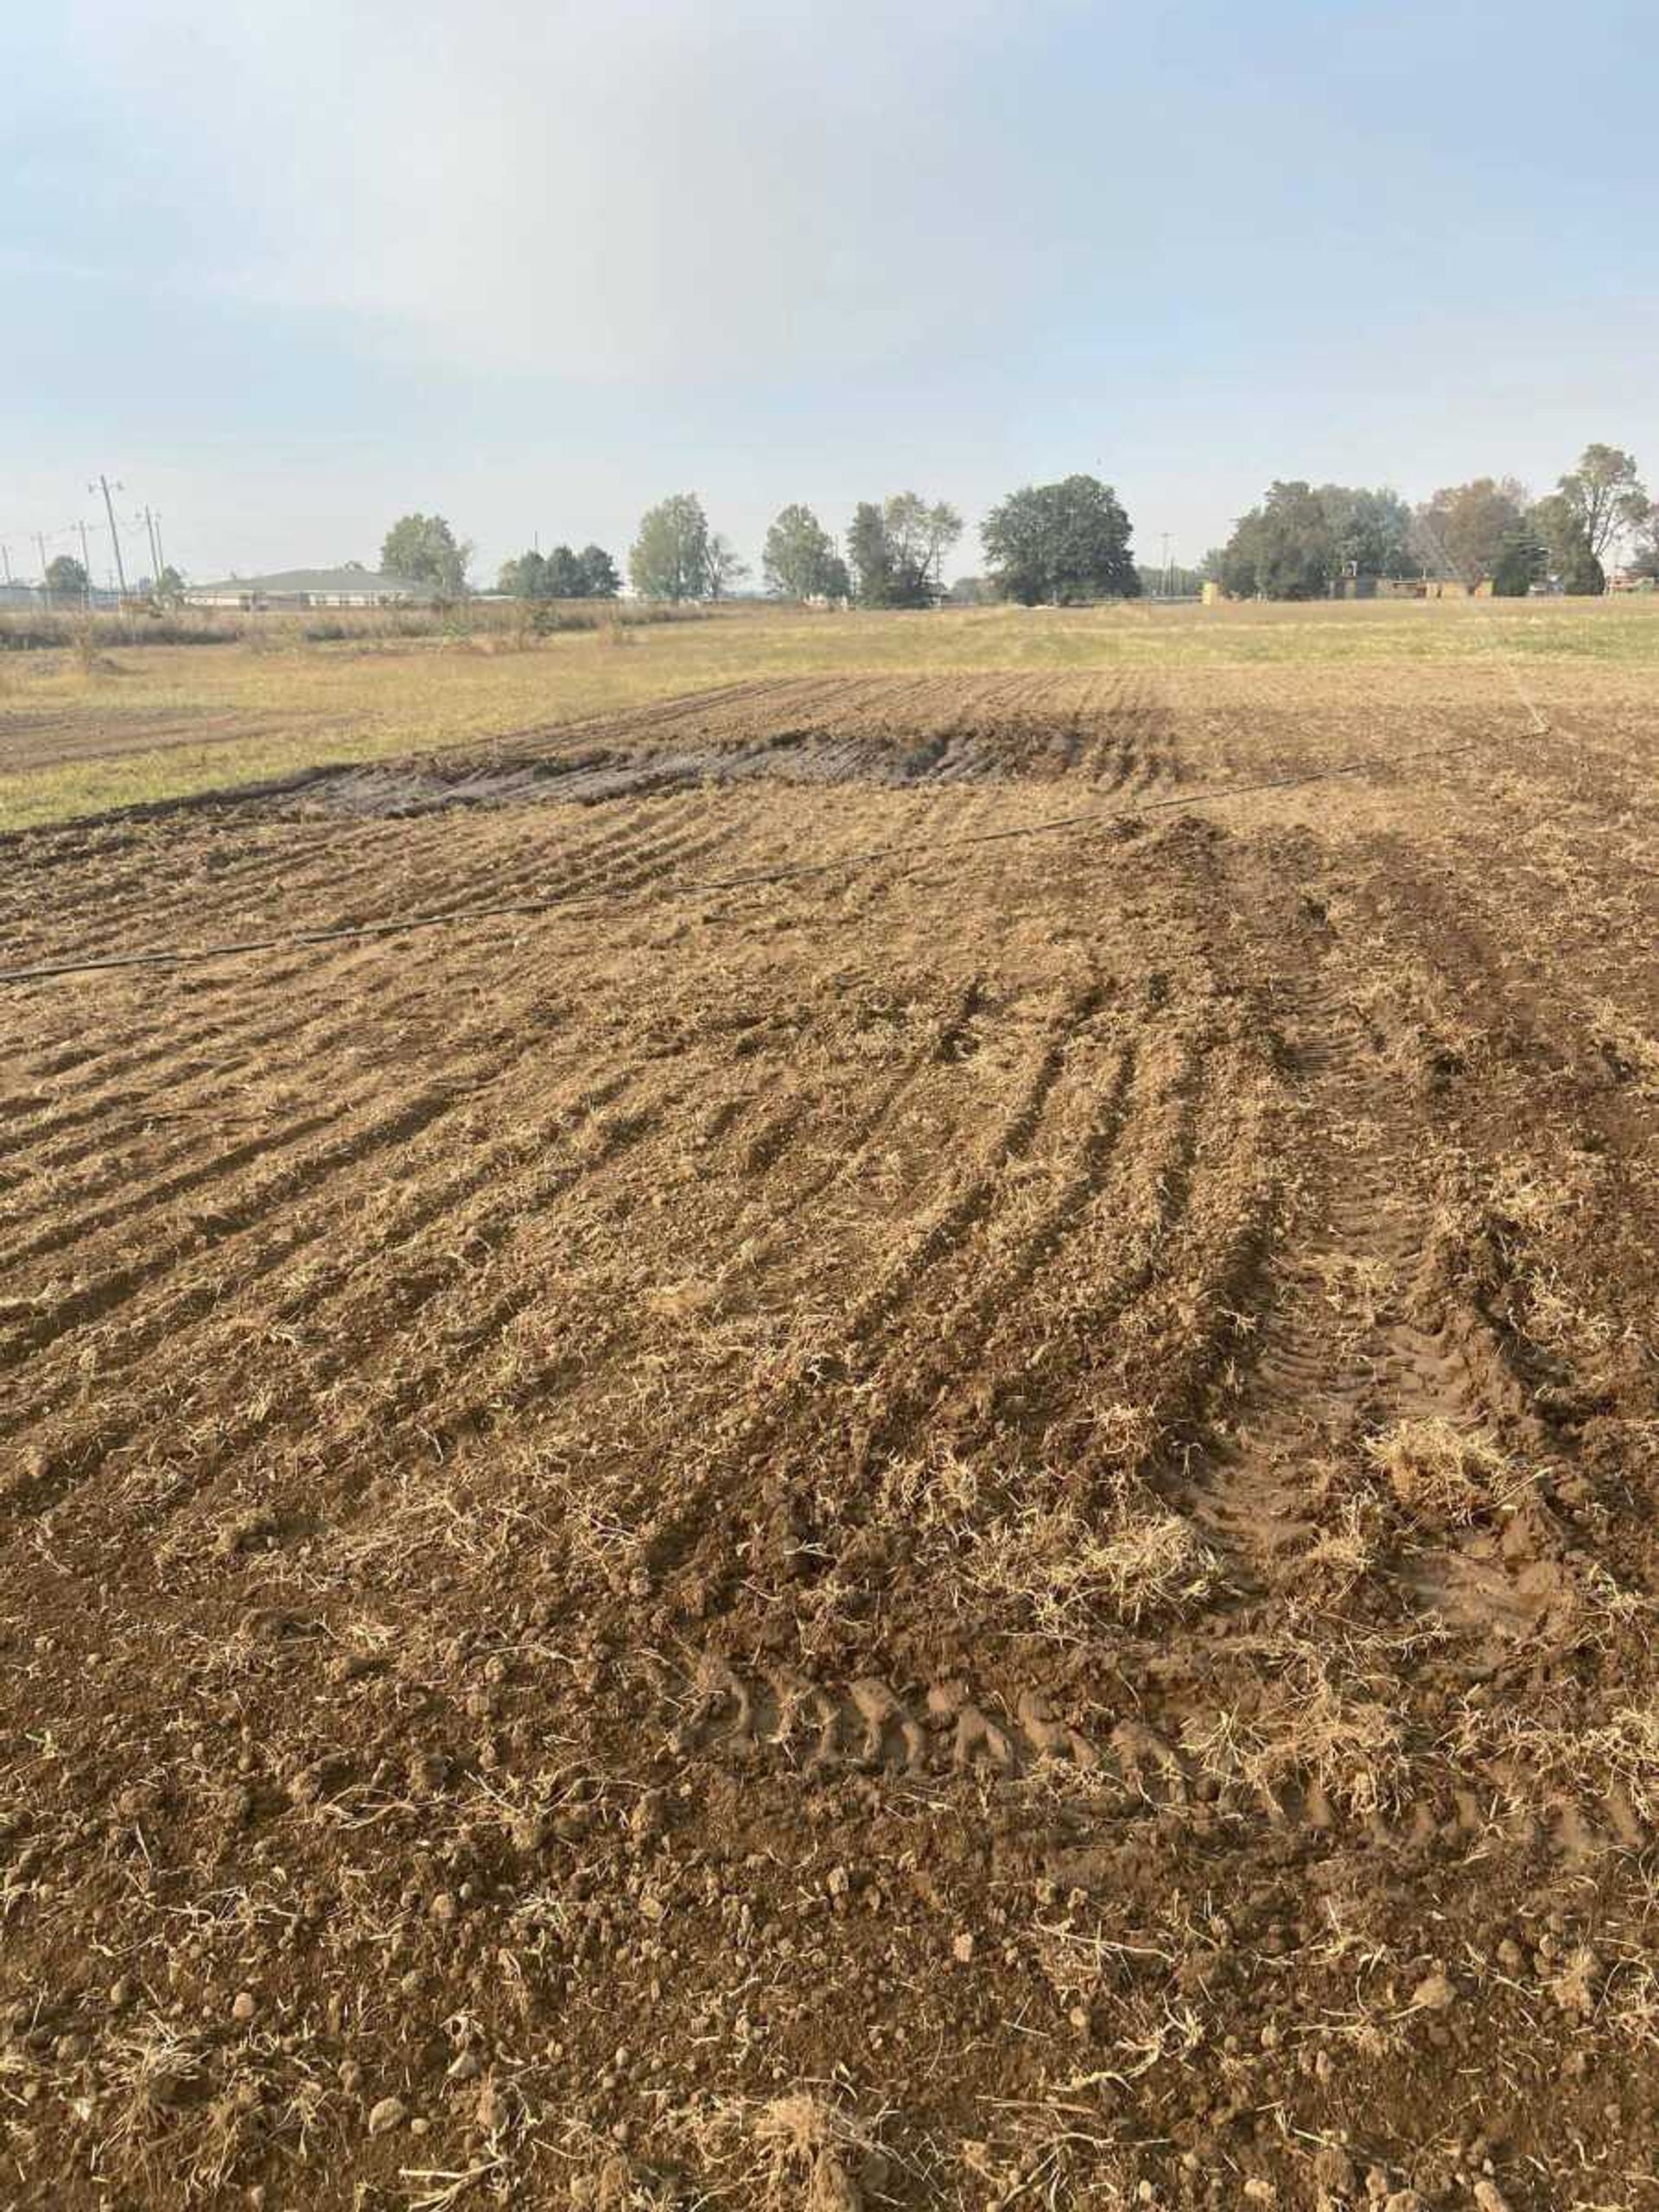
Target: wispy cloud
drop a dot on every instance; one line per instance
(672, 192)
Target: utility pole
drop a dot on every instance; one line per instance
(102, 485)
(154, 550)
(5, 557)
(46, 589)
(85, 562)
(161, 556)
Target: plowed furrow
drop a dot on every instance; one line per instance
(953, 1344)
(956, 1221)
(149, 1044)
(1127, 1256)
(403, 1410)
(106, 1293)
(365, 1288)
(309, 1038)
(952, 1229)
(853, 1142)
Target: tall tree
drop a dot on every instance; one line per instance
(725, 567)
(1558, 525)
(1283, 549)
(524, 577)
(942, 528)
(66, 578)
(869, 555)
(1523, 560)
(1059, 545)
(1605, 496)
(800, 561)
(566, 578)
(897, 550)
(1644, 554)
(599, 576)
(1460, 532)
(670, 557)
(1582, 574)
(423, 549)
(1370, 531)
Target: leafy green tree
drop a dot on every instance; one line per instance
(525, 578)
(1060, 544)
(897, 550)
(66, 578)
(1559, 521)
(425, 550)
(941, 528)
(566, 577)
(170, 587)
(919, 537)
(670, 557)
(1523, 560)
(1582, 574)
(599, 576)
(1370, 531)
(1556, 524)
(1603, 496)
(1460, 532)
(1283, 549)
(800, 561)
(869, 556)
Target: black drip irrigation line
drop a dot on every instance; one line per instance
(790, 872)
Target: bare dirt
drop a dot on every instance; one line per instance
(53, 737)
(974, 1529)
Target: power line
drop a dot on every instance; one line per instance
(600, 901)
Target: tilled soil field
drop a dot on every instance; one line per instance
(885, 1505)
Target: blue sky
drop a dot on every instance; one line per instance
(287, 272)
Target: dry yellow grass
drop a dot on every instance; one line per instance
(144, 723)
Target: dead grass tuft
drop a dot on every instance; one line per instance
(1446, 1477)
(1628, 1050)
(1320, 1720)
(1066, 1571)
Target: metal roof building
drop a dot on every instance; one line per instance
(297, 587)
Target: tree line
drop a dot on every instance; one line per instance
(1069, 543)
(1050, 544)
(1303, 539)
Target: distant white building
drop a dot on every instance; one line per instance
(293, 589)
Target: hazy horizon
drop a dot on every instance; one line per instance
(287, 279)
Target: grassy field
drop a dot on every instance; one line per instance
(156, 722)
